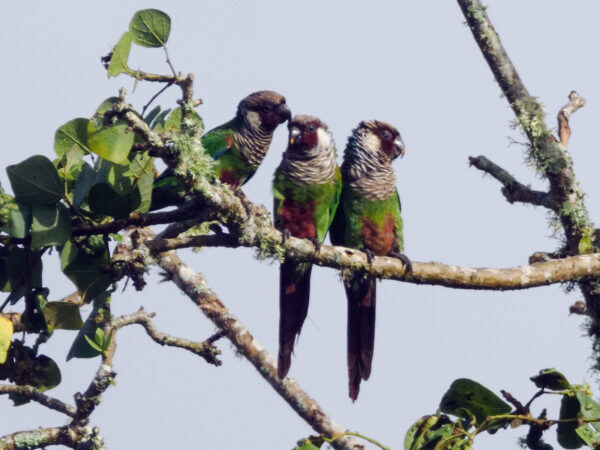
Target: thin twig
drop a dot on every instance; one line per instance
(576, 101)
(203, 349)
(36, 395)
(513, 191)
(194, 285)
(155, 96)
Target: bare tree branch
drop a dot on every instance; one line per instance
(513, 191)
(576, 101)
(433, 273)
(37, 396)
(203, 349)
(194, 285)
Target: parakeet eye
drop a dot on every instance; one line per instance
(311, 128)
(386, 135)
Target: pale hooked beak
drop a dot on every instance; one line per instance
(399, 146)
(295, 135)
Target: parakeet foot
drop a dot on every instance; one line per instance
(402, 257)
(285, 234)
(216, 228)
(317, 244)
(370, 255)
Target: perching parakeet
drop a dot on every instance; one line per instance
(368, 218)
(306, 191)
(238, 146)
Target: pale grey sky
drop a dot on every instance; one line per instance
(413, 64)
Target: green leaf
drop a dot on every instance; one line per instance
(62, 316)
(150, 28)
(158, 126)
(144, 186)
(22, 271)
(173, 122)
(19, 221)
(6, 331)
(566, 431)
(100, 313)
(589, 435)
(84, 271)
(134, 179)
(99, 336)
(93, 344)
(468, 395)
(118, 62)
(35, 181)
(46, 374)
(83, 184)
(73, 163)
(416, 434)
(151, 115)
(103, 199)
(551, 379)
(309, 443)
(71, 134)
(51, 225)
(112, 143)
(39, 371)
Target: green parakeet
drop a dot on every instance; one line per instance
(368, 219)
(306, 191)
(238, 146)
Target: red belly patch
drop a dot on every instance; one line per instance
(298, 219)
(378, 238)
(229, 177)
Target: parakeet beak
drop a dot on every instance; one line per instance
(284, 113)
(295, 135)
(399, 146)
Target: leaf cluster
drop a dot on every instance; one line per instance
(102, 172)
(469, 408)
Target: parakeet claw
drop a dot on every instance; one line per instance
(215, 228)
(402, 257)
(317, 244)
(285, 234)
(370, 255)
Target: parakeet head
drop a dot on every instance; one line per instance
(264, 110)
(307, 133)
(379, 138)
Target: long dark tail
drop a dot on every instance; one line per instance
(294, 293)
(360, 292)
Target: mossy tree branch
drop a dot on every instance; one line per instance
(43, 437)
(550, 157)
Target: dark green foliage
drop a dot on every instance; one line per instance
(478, 409)
(550, 379)
(35, 181)
(24, 367)
(470, 400)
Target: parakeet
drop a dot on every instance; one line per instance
(237, 146)
(306, 190)
(368, 218)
